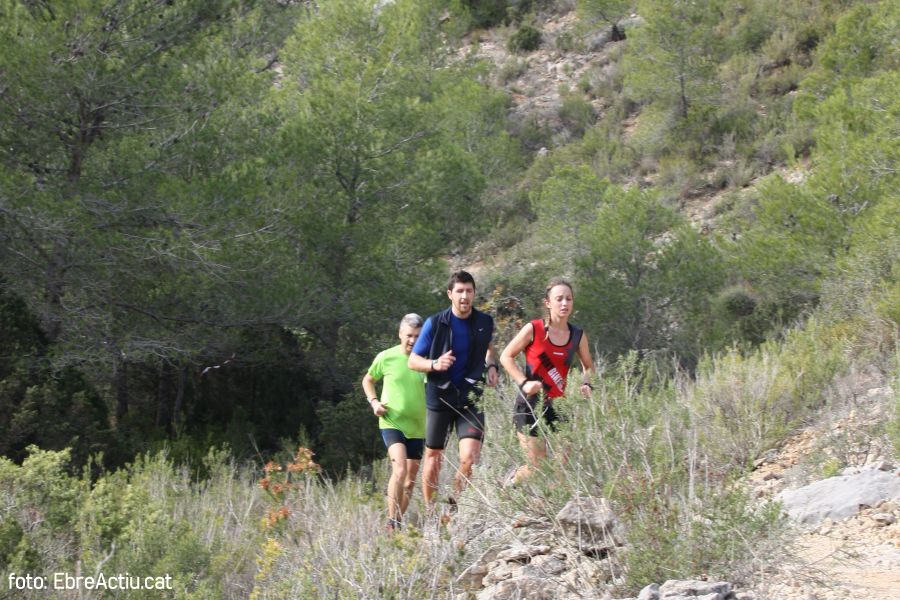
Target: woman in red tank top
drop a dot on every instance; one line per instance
(550, 347)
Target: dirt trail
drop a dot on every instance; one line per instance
(857, 557)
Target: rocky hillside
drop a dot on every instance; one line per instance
(844, 540)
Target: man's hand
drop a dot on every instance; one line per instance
(444, 361)
(378, 408)
(493, 376)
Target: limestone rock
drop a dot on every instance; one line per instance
(521, 553)
(472, 578)
(651, 592)
(590, 521)
(527, 587)
(840, 497)
(677, 589)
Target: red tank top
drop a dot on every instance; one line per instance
(548, 363)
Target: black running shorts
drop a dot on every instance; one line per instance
(532, 414)
(469, 423)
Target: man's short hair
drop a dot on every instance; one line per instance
(460, 277)
(413, 320)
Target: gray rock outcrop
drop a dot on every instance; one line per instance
(839, 497)
(550, 560)
(691, 589)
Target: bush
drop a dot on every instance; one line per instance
(788, 250)
(491, 13)
(512, 69)
(576, 113)
(525, 39)
(565, 42)
(679, 174)
(486, 13)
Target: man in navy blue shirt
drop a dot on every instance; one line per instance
(454, 349)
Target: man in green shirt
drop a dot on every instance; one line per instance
(401, 415)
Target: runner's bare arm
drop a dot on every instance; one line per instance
(587, 365)
(493, 372)
(368, 385)
(508, 360)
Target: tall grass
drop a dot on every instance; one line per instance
(667, 452)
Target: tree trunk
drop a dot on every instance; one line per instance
(178, 409)
(120, 382)
(164, 398)
(53, 292)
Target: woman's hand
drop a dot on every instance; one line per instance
(530, 388)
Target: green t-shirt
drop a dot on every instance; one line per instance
(402, 393)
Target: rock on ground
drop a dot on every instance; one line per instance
(840, 497)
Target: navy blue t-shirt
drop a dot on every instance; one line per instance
(460, 346)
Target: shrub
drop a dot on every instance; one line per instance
(565, 42)
(511, 69)
(893, 425)
(525, 39)
(576, 113)
(679, 174)
(738, 301)
(486, 13)
(737, 174)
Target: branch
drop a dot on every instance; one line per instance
(393, 148)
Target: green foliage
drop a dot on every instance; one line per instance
(210, 213)
(678, 173)
(126, 225)
(648, 274)
(893, 425)
(789, 246)
(56, 409)
(671, 59)
(491, 13)
(750, 400)
(857, 143)
(753, 24)
(341, 451)
(146, 519)
(487, 13)
(610, 12)
(713, 541)
(525, 39)
(570, 220)
(565, 42)
(862, 41)
(738, 308)
(176, 232)
(576, 113)
(512, 69)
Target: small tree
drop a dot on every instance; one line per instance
(610, 12)
(647, 277)
(671, 59)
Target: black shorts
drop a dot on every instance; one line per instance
(414, 446)
(532, 413)
(468, 420)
